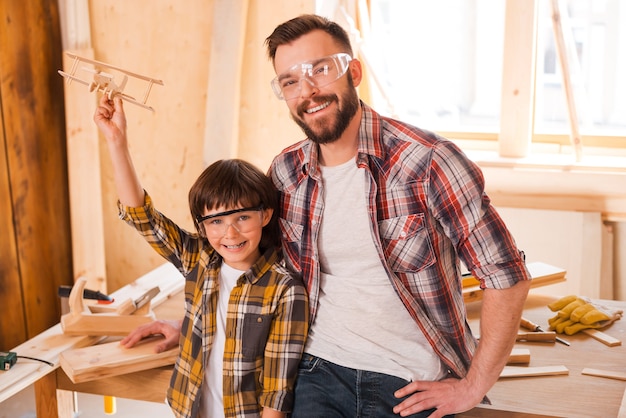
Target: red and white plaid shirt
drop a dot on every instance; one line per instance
(428, 210)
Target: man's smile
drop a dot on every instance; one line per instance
(318, 108)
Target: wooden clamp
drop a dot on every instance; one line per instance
(82, 321)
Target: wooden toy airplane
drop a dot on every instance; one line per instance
(105, 82)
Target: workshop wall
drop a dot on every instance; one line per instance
(179, 42)
(35, 245)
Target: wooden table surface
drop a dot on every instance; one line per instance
(573, 395)
(53, 403)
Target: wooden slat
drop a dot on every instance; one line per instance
(516, 371)
(519, 356)
(602, 337)
(611, 374)
(111, 359)
(147, 385)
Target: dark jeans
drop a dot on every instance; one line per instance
(326, 390)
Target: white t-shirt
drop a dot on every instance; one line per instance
(212, 400)
(361, 322)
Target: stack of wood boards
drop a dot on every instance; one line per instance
(542, 274)
(109, 358)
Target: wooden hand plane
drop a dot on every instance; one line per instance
(119, 321)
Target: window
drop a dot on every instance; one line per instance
(439, 65)
(593, 30)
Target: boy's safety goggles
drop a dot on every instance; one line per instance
(243, 220)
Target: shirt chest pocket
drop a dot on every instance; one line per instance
(292, 241)
(406, 243)
(256, 329)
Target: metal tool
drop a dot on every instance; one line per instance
(130, 305)
(529, 325)
(64, 292)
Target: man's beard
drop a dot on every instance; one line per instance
(328, 132)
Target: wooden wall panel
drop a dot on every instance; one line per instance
(265, 123)
(34, 136)
(13, 324)
(176, 42)
(168, 40)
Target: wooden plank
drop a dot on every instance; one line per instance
(104, 324)
(542, 275)
(147, 385)
(602, 337)
(519, 356)
(611, 374)
(516, 371)
(111, 359)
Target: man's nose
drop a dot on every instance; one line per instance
(307, 88)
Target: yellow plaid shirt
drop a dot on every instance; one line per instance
(266, 323)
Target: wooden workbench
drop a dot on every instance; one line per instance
(52, 403)
(573, 395)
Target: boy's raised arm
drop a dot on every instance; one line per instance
(111, 121)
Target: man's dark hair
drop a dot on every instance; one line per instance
(293, 29)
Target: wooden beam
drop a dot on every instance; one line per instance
(221, 136)
(518, 81)
(83, 155)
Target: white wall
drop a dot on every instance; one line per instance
(566, 239)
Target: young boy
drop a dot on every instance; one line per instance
(246, 317)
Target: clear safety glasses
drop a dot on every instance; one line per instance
(243, 220)
(318, 73)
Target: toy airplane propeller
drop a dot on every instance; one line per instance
(105, 82)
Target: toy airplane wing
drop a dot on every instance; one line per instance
(106, 83)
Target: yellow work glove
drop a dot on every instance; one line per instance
(575, 313)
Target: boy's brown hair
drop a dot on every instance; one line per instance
(235, 183)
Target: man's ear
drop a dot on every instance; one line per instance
(356, 71)
(267, 215)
